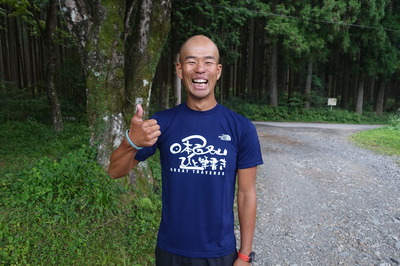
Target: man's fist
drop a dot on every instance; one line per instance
(143, 133)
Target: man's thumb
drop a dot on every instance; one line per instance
(139, 113)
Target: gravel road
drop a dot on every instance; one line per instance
(324, 201)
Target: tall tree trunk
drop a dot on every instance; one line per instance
(329, 78)
(3, 56)
(307, 92)
(98, 28)
(371, 88)
(142, 56)
(380, 96)
(164, 96)
(13, 69)
(144, 51)
(243, 65)
(120, 56)
(287, 87)
(19, 58)
(250, 57)
(360, 94)
(345, 85)
(51, 65)
(177, 85)
(274, 76)
(234, 77)
(397, 90)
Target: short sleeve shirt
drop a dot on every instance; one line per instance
(200, 154)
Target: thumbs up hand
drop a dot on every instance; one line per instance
(143, 133)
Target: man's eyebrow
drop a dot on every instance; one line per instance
(194, 57)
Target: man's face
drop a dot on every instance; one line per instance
(199, 68)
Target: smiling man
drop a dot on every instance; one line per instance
(199, 69)
(205, 149)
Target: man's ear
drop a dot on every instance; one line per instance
(219, 69)
(178, 68)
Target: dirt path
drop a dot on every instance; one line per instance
(323, 201)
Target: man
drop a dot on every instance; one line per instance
(203, 146)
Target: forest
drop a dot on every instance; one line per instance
(274, 53)
(72, 71)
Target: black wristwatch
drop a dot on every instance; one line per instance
(249, 258)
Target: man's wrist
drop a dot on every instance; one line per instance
(130, 141)
(248, 257)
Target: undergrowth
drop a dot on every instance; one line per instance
(384, 140)
(69, 212)
(262, 112)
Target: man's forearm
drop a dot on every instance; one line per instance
(122, 160)
(247, 207)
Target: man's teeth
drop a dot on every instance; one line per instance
(199, 81)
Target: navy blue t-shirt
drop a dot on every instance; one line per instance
(201, 152)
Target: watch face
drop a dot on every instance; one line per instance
(252, 255)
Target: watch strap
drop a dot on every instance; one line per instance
(249, 258)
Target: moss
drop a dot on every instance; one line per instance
(107, 78)
(146, 63)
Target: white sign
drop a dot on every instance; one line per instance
(332, 101)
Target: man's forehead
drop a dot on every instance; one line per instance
(199, 46)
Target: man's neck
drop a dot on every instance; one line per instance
(201, 105)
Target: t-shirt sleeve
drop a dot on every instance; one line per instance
(249, 152)
(145, 153)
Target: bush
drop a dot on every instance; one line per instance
(72, 185)
(56, 212)
(20, 105)
(394, 122)
(295, 112)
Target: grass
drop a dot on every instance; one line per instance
(384, 140)
(57, 206)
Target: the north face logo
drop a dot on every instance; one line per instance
(225, 137)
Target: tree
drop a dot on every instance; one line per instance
(294, 27)
(308, 48)
(29, 11)
(48, 35)
(376, 55)
(120, 43)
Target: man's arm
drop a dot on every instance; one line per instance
(142, 134)
(247, 208)
(122, 160)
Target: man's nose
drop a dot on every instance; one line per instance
(200, 67)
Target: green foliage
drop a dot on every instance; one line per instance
(52, 200)
(23, 9)
(24, 142)
(69, 212)
(59, 207)
(394, 122)
(71, 85)
(142, 232)
(19, 105)
(220, 20)
(384, 140)
(295, 112)
(75, 184)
